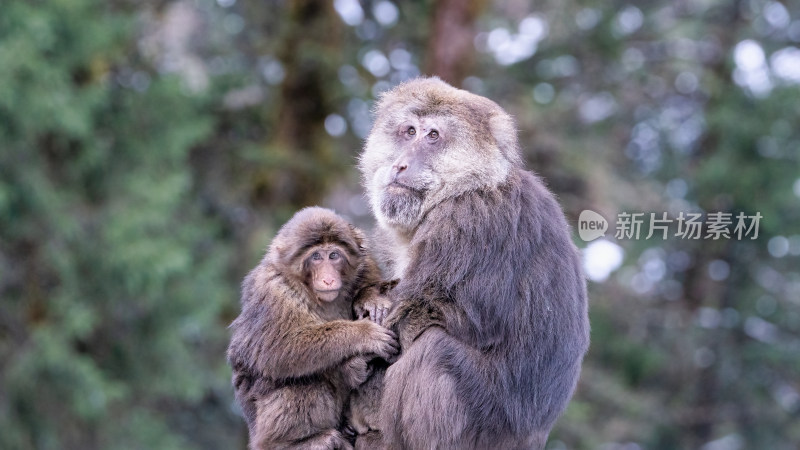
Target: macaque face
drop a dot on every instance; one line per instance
(325, 271)
(430, 143)
(410, 173)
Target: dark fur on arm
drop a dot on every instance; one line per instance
(279, 342)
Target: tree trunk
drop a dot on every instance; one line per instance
(304, 101)
(451, 45)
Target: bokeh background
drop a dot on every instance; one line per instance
(150, 149)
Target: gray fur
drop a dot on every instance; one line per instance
(491, 307)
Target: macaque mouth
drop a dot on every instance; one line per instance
(328, 296)
(397, 184)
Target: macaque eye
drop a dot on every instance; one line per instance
(411, 131)
(433, 135)
(334, 255)
(316, 256)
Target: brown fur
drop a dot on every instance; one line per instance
(295, 358)
(491, 307)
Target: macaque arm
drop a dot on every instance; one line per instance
(313, 348)
(297, 344)
(410, 318)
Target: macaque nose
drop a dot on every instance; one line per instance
(398, 170)
(327, 281)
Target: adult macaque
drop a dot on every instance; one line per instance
(491, 307)
(296, 353)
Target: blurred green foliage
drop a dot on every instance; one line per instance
(149, 150)
(113, 279)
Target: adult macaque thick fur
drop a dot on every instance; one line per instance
(491, 307)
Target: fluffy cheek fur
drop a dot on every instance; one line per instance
(404, 209)
(470, 165)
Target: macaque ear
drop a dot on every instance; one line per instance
(278, 251)
(282, 255)
(504, 132)
(359, 237)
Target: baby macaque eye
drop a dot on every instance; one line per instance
(433, 135)
(334, 255)
(411, 131)
(316, 256)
